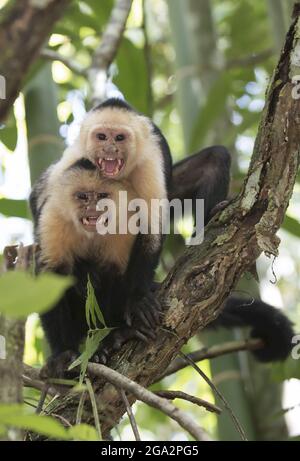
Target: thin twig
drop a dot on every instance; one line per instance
(171, 395)
(219, 394)
(94, 407)
(130, 415)
(150, 398)
(51, 55)
(251, 60)
(42, 399)
(210, 353)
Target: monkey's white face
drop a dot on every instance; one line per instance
(115, 141)
(85, 209)
(112, 149)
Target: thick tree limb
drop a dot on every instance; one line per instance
(107, 50)
(202, 279)
(13, 330)
(21, 23)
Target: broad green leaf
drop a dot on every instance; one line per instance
(292, 225)
(83, 432)
(286, 370)
(18, 416)
(9, 133)
(215, 105)
(21, 294)
(131, 63)
(16, 208)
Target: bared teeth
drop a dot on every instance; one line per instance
(89, 220)
(104, 162)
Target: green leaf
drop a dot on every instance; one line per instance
(94, 338)
(18, 416)
(131, 63)
(83, 432)
(9, 134)
(21, 294)
(16, 208)
(92, 309)
(286, 370)
(214, 107)
(292, 225)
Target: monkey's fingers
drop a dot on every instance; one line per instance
(114, 341)
(145, 312)
(154, 310)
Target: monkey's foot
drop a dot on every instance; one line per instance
(144, 314)
(57, 367)
(114, 341)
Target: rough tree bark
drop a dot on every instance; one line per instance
(13, 330)
(24, 27)
(196, 288)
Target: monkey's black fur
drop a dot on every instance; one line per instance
(266, 322)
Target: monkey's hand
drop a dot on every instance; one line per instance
(57, 367)
(114, 341)
(144, 314)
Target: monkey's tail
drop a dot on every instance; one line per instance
(266, 323)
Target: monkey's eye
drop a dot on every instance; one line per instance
(120, 137)
(101, 136)
(82, 196)
(102, 195)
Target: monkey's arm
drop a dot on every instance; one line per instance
(205, 175)
(143, 309)
(266, 323)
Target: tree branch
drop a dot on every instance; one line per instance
(73, 65)
(172, 395)
(23, 22)
(107, 50)
(215, 351)
(120, 381)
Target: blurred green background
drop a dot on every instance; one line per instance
(200, 69)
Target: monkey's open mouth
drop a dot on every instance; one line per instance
(89, 222)
(111, 166)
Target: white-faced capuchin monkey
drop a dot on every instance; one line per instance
(119, 149)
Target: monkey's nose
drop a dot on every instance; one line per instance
(111, 150)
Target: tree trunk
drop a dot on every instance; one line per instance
(21, 23)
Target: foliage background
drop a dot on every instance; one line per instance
(200, 69)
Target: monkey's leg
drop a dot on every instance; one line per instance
(204, 175)
(65, 327)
